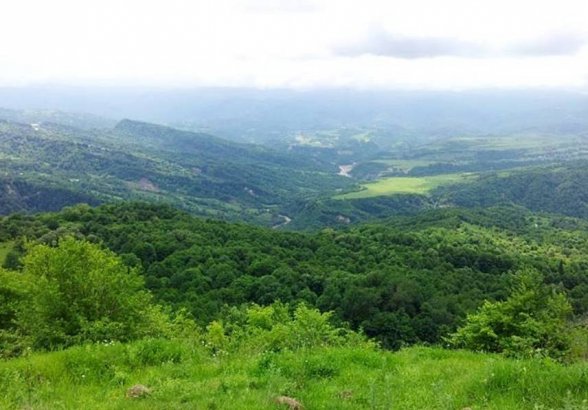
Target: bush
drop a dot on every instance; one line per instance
(274, 328)
(531, 322)
(82, 293)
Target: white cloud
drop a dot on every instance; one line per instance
(281, 43)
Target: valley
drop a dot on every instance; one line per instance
(277, 270)
(294, 205)
(217, 178)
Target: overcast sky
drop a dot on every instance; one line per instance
(439, 44)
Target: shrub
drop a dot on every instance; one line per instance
(274, 328)
(531, 322)
(82, 293)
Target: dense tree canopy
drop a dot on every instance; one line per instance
(411, 279)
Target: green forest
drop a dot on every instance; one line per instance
(400, 286)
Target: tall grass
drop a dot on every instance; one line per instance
(184, 374)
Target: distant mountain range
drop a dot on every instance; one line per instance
(274, 115)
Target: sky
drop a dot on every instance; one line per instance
(302, 44)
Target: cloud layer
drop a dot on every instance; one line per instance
(382, 43)
(296, 43)
(553, 44)
(379, 42)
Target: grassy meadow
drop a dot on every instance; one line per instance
(406, 185)
(181, 374)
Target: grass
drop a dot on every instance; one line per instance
(406, 185)
(184, 375)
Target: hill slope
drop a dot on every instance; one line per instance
(44, 167)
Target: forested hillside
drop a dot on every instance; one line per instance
(404, 281)
(45, 167)
(45, 116)
(558, 189)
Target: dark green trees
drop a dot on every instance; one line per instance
(407, 280)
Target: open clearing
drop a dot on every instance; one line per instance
(406, 185)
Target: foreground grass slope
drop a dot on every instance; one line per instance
(183, 374)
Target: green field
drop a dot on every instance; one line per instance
(406, 185)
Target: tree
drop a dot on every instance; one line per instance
(531, 322)
(84, 293)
